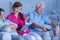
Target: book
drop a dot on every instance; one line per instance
(27, 25)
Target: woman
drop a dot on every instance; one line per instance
(20, 19)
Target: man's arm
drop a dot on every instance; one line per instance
(53, 24)
(56, 28)
(38, 26)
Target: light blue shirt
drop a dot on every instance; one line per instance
(6, 22)
(38, 19)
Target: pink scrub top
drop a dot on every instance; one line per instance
(19, 22)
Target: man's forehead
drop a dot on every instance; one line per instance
(40, 5)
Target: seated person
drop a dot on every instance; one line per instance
(6, 25)
(41, 24)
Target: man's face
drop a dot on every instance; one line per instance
(40, 8)
(2, 15)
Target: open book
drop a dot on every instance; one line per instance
(27, 25)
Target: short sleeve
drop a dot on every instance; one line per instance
(10, 17)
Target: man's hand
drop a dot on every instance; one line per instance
(56, 28)
(56, 31)
(12, 26)
(44, 29)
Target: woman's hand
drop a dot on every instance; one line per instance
(20, 32)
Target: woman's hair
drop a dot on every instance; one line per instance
(21, 16)
(16, 4)
(1, 10)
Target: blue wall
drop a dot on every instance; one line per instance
(28, 5)
(52, 6)
(5, 5)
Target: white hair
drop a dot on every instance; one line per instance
(39, 3)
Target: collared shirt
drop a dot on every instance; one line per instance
(38, 19)
(6, 22)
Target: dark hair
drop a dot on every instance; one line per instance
(22, 16)
(1, 10)
(16, 4)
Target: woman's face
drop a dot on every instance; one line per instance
(17, 9)
(2, 16)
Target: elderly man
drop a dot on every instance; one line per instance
(41, 24)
